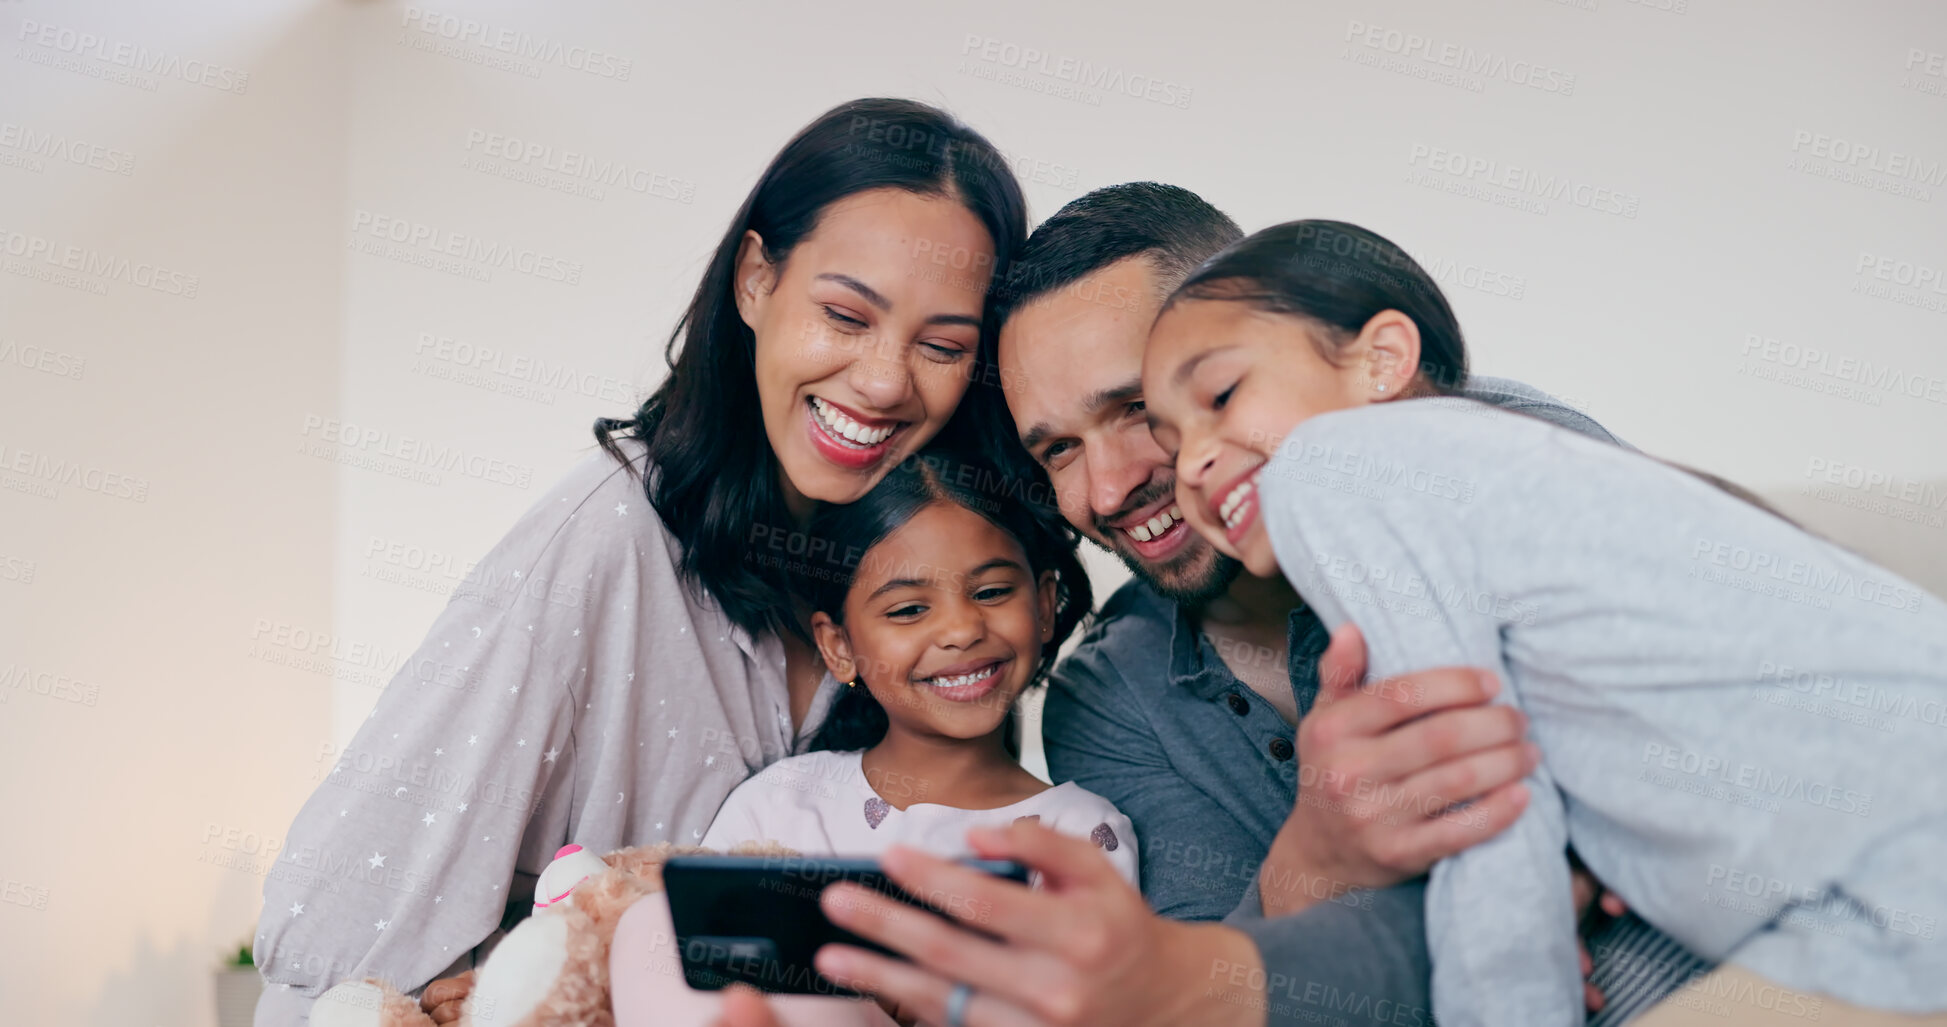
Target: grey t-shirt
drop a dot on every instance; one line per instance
(1147, 712)
(573, 690)
(1741, 722)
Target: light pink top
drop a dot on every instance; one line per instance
(821, 804)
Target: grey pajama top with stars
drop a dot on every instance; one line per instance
(573, 690)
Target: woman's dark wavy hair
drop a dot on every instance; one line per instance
(941, 473)
(1336, 276)
(713, 477)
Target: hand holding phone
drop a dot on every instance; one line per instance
(756, 920)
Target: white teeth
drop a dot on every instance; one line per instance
(1157, 525)
(840, 426)
(962, 679)
(1231, 510)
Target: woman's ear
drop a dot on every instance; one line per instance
(754, 280)
(1390, 342)
(1045, 594)
(835, 646)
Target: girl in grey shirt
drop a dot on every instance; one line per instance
(632, 650)
(1662, 635)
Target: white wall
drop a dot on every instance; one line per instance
(196, 702)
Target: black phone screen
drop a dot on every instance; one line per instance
(755, 919)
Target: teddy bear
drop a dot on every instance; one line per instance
(551, 970)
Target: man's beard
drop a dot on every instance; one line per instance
(1194, 576)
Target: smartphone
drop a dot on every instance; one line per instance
(755, 919)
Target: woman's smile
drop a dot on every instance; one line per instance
(847, 437)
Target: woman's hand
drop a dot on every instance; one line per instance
(1083, 950)
(443, 998)
(1382, 764)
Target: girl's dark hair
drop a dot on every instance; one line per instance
(942, 473)
(1336, 276)
(713, 477)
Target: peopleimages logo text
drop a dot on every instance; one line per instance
(518, 43)
(1464, 59)
(1488, 171)
(77, 43)
(1071, 69)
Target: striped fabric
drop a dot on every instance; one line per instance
(1636, 966)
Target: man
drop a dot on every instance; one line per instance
(1180, 707)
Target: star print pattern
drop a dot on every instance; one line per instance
(570, 615)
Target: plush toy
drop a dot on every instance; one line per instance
(551, 970)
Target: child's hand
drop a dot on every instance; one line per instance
(443, 998)
(899, 1014)
(744, 1006)
(1589, 894)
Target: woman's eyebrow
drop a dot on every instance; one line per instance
(997, 563)
(871, 295)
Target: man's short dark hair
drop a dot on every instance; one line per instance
(1171, 226)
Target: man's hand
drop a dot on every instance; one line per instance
(443, 998)
(1382, 766)
(1083, 950)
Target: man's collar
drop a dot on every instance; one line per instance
(1196, 665)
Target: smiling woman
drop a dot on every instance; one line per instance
(819, 312)
(628, 654)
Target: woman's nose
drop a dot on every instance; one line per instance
(884, 383)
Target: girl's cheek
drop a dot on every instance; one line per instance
(1210, 532)
(1258, 556)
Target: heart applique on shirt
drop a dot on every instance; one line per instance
(876, 810)
(1104, 835)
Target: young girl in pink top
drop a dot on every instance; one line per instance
(941, 597)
